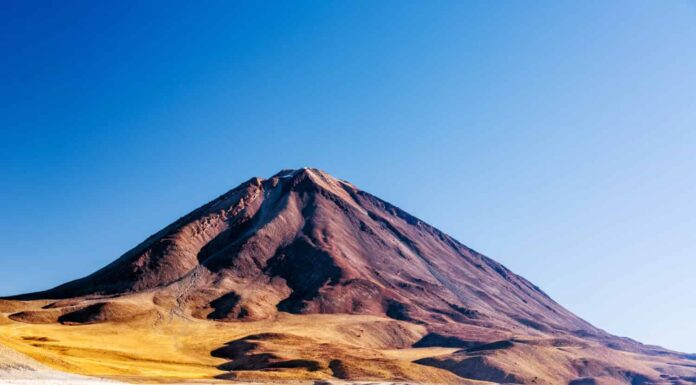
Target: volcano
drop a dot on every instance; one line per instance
(303, 245)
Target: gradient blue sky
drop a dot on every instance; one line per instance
(555, 137)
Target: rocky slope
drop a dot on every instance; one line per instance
(315, 244)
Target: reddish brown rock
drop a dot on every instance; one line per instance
(305, 242)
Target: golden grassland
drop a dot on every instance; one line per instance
(168, 347)
(179, 349)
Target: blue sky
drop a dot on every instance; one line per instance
(555, 137)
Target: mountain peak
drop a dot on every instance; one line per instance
(298, 172)
(314, 174)
(304, 242)
(312, 243)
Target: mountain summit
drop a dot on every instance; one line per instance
(305, 243)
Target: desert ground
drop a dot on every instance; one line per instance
(174, 349)
(19, 369)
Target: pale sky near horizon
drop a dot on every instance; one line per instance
(555, 137)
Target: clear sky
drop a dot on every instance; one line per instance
(558, 137)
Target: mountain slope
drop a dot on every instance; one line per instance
(315, 244)
(303, 242)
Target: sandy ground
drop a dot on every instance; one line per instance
(179, 350)
(16, 369)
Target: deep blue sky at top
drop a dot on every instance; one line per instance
(555, 137)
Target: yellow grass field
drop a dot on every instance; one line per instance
(171, 347)
(179, 349)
